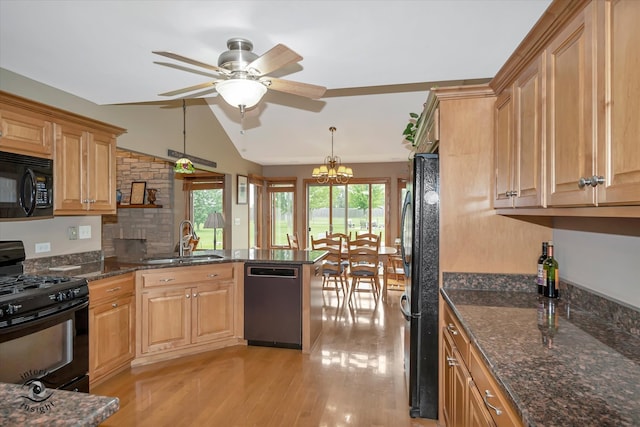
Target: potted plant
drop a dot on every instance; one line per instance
(409, 132)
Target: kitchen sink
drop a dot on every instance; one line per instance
(182, 260)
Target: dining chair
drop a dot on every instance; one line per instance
(369, 236)
(333, 267)
(294, 243)
(364, 264)
(345, 237)
(394, 276)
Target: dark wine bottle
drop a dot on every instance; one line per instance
(551, 274)
(540, 279)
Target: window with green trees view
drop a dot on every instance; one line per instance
(346, 208)
(206, 195)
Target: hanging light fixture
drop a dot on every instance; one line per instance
(332, 170)
(183, 164)
(241, 93)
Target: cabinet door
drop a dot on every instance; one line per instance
(69, 170)
(504, 151)
(477, 415)
(570, 113)
(455, 384)
(166, 319)
(25, 133)
(101, 172)
(212, 312)
(527, 162)
(111, 343)
(619, 154)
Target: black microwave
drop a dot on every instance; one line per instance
(26, 187)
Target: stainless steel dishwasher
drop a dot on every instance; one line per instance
(273, 305)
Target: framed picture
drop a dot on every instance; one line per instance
(243, 187)
(138, 189)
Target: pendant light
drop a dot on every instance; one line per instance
(183, 164)
(332, 171)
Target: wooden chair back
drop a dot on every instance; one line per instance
(369, 236)
(363, 257)
(294, 243)
(332, 267)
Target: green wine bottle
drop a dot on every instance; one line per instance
(551, 274)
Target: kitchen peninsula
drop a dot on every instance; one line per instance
(176, 306)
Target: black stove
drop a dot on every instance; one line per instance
(25, 297)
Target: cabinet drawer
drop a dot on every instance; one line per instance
(113, 287)
(186, 275)
(458, 335)
(491, 393)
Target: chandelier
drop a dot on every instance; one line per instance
(332, 170)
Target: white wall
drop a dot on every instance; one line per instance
(53, 231)
(608, 264)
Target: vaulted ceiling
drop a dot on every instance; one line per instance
(377, 58)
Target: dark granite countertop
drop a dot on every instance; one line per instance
(53, 408)
(576, 370)
(114, 266)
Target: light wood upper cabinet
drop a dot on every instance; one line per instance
(619, 67)
(24, 132)
(518, 142)
(504, 146)
(570, 112)
(84, 171)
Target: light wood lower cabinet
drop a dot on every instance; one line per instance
(111, 326)
(471, 397)
(185, 310)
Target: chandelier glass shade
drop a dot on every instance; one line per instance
(241, 93)
(332, 171)
(183, 164)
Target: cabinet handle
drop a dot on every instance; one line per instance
(167, 280)
(114, 289)
(187, 296)
(511, 193)
(195, 295)
(594, 181)
(114, 305)
(488, 395)
(451, 361)
(451, 328)
(212, 275)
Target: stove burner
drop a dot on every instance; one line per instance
(14, 285)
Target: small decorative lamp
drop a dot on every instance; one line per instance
(183, 164)
(215, 220)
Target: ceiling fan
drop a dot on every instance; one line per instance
(242, 76)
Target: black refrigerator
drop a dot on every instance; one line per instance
(419, 303)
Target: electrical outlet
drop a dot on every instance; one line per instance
(72, 233)
(84, 231)
(43, 247)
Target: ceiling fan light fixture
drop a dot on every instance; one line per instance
(241, 93)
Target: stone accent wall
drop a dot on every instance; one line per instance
(140, 231)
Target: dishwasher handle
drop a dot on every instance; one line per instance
(279, 272)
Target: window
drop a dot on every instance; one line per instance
(205, 195)
(356, 207)
(255, 212)
(282, 214)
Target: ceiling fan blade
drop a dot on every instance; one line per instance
(295, 88)
(275, 58)
(190, 61)
(187, 69)
(190, 88)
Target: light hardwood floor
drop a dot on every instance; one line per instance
(353, 377)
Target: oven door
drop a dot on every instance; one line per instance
(53, 350)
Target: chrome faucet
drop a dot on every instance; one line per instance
(185, 238)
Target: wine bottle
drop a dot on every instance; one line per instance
(540, 279)
(551, 274)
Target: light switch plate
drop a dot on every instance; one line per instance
(72, 233)
(84, 231)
